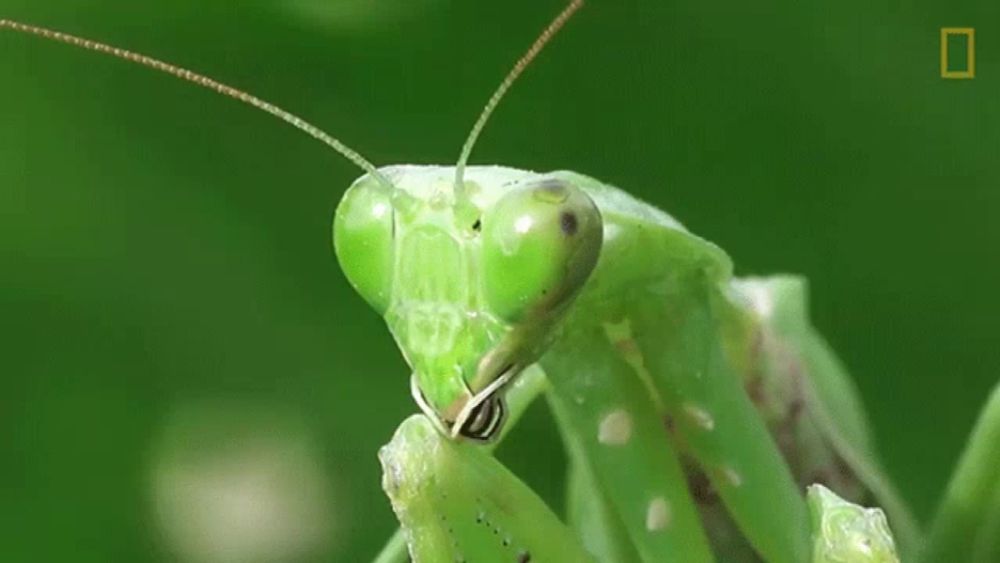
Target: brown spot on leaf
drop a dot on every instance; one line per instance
(700, 486)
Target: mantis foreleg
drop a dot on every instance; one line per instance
(457, 503)
(607, 414)
(681, 344)
(592, 515)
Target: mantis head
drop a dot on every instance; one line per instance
(471, 279)
(471, 283)
(471, 276)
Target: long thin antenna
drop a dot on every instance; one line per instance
(511, 77)
(206, 82)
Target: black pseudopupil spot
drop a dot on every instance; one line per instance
(567, 221)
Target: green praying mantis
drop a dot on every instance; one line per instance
(704, 417)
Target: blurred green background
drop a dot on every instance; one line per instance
(186, 375)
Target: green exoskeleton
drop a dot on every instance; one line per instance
(696, 408)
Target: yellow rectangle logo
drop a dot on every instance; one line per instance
(970, 52)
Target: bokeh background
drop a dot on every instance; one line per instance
(186, 375)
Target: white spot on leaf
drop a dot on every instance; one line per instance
(732, 476)
(699, 416)
(615, 428)
(657, 514)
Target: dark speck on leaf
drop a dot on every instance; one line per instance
(567, 221)
(478, 225)
(524, 557)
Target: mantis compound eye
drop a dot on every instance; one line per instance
(540, 244)
(485, 420)
(363, 240)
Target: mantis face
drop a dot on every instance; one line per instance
(471, 276)
(471, 282)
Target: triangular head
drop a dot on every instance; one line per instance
(472, 287)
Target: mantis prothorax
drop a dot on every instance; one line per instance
(695, 407)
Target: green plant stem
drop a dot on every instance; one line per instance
(972, 493)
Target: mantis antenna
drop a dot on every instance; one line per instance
(508, 81)
(205, 82)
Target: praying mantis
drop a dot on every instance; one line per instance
(695, 407)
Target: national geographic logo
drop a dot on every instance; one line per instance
(953, 68)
